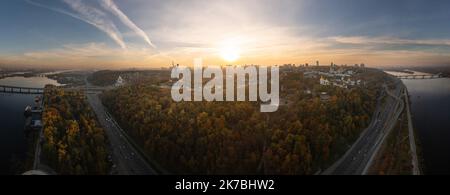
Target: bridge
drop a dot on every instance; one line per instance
(38, 91)
(21, 90)
(420, 76)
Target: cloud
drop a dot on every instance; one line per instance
(96, 18)
(114, 9)
(89, 55)
(90, 15)
(390, 40)
(99, 18)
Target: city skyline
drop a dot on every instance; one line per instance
(152, 34)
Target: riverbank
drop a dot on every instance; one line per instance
(430, 111)
(412, 138)
(15, 146)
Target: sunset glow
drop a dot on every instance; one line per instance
(230, 51)
(150, 34)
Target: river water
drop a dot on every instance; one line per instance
(430, 107)
(430, 104)
(12, 137)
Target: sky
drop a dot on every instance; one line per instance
(155, 33)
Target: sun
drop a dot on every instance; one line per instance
(230, 51)
(230, 54)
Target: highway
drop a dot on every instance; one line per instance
(126, 159)
(360, 156)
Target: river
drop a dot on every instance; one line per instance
(430, 104)
(12, 138)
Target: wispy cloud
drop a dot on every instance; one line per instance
(90, 15)
(89, 55)
(114, 9)
(390, 40)
(99, 18)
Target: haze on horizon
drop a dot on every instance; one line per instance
(153, 33)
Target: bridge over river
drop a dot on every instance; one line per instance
(21, 90)
(38, 91)
(420, 76)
